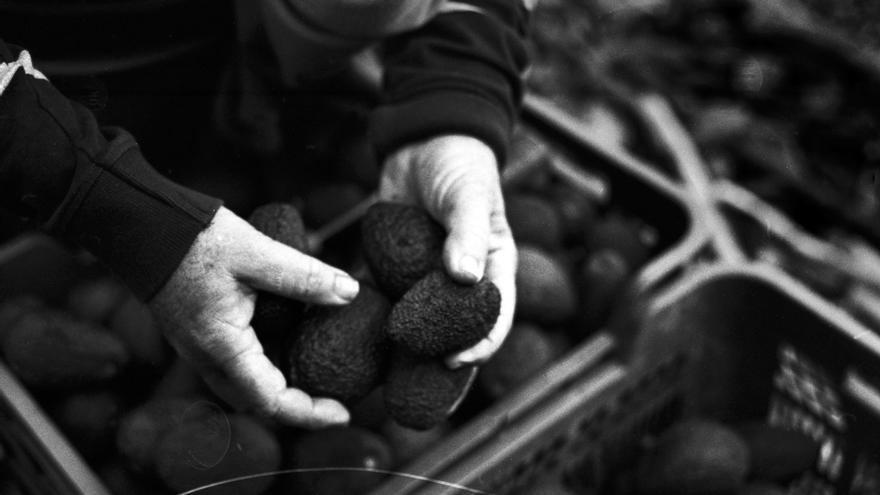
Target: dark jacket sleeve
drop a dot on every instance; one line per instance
(459, 73)
(90, 185)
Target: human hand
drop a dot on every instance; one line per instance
(455, 178)
(206, 307)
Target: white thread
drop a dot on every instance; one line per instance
(7, 70)
(331, 469)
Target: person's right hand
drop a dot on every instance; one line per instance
(206, 307)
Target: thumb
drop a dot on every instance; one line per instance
(274, 267)
(468, 209)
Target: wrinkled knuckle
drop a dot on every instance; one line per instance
(277, 280)
(313, 281)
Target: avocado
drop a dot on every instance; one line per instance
(524, 353)
(777, 453)
(275, 315)
(420, 392)
(89, 420)
(604, 276)
(438, 315)
(95, 299)
(545, 292)
(407, 443)
(340, 351)
(340, 448)
(369, 412)
(576, 210)
(281, 222)
(141, 428)
(13, 309)
(401, 244)
(133, 322)
(533, 220)
(52, 350)
(622, 234)
(218, 448)
(695, 457)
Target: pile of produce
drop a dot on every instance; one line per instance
(700, 456)
(147, 423)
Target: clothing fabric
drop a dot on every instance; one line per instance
(90, 185)
(449, 66)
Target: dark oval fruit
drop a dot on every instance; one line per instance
(576, 209)
(695, 457)
(407, 443)
(533, 220)
(280, 222)
(777, 453)
(402, 244)
(95, 300)
(620, 234)
(525, 352)
(141, 428)
(135, 325)
(340, 351)
(545, 292)
(604, 275)
(218, 448)
(340, 448)
(90, 420)
(275, 315)
(438, 315)
(51, 350)
(420, 393)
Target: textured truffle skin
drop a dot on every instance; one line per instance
(438, 315)
(274, 315)
(420, 392)
(340, 351)
(281, 222)
(401, 244)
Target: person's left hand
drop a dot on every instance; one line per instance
(455, 178)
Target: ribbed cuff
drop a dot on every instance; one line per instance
(136, 221)
(435, 114)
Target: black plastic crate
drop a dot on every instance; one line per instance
(728, 342)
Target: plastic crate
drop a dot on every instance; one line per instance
(40, 460)
(638, 191)
(729, 342)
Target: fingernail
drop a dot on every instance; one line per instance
(346, 287)
(337, 415)
(469, 265)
